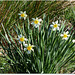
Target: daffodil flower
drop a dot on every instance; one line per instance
(21, 38)
(36, 22)
(22, 15)
(29, 48)
(55, 25)
(65, 35)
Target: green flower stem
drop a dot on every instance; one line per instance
(5, 33)
(38, 34)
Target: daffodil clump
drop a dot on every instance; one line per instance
(38, 49)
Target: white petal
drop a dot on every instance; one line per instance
(57, 28)
(36, 18)
(54, 29)
(24, 12)
(24, 18)
(36, 26)
(26, 39)
(25, 49)
(29, 44)
(23, 42)
(64, 32)
(25, 15)
(39, 23)
(68, 35)
(51, 25)
(56, 22)
(28, 52)
(32, 49)
(20, 17)
(19, 13)
(26, 45)
(20, 35)
(65, 38)
(40, 20)
(20, 42)
(67, 32)
(33, 19)
(61, 35)
(73, 41)
(32, 23)
(33, 46)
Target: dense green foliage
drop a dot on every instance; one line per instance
(51, 54)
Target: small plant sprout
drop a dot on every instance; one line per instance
(36, 22)
(21, 38)
(29, 48)
(55, 25)
(65, 35)
(23, 14)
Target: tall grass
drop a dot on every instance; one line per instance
(9, 9)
